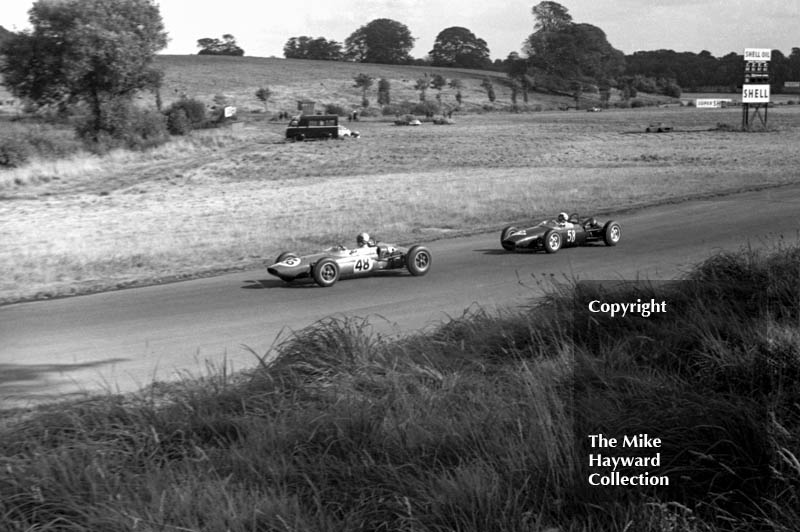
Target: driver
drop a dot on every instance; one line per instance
(563, 220)
(363, 240)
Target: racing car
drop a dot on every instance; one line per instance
(329, 265)
(565, 231)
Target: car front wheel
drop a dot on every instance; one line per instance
(326, 272)
(552, 241)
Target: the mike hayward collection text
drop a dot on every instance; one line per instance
(610, 476)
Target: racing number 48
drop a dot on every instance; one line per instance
(363, 265)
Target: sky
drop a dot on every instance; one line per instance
(262, 27)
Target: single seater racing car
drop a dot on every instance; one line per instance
(330, 265)
(566, 231)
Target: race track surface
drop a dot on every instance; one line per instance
(120, 341)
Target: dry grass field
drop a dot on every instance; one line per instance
(223, 200)
(331, 82)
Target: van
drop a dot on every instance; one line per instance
(313, 127)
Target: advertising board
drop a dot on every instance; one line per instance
(711, 103)
(755, 93)
(757, 54)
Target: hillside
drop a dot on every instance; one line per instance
(237, 78)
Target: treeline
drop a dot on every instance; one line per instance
(559, 56)
(704, 72)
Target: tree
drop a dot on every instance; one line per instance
(456, 84)
(550, 16)
(381, 41)
(264, 94)
(487, 85)
(561, 53)
(4, 35)
(97, 51)
(227, 46)
(304, 47)
(363, 82)
(422, 85)
(384, 88)
(459, 47)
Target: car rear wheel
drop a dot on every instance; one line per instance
(612, 232)
(326, 272)
(508, 246)
(418, 260)
(299, 138)
(552, 241)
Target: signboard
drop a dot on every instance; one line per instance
(230, 111)
(794, 84)
(711, 103)
(755, 93)
(757, 54)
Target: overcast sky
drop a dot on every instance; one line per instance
(262, 27)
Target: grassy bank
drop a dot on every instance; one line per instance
(480, 425)
(232, 199)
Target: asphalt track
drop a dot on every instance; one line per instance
(120, 341)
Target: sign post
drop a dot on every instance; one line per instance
(756, 87)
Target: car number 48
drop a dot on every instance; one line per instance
(571, 235)
(363, 265)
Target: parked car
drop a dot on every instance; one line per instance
(658, 127)
(407, 120)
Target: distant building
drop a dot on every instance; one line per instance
(306, 107)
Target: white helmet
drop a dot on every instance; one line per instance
(562, 217)
(362, 239)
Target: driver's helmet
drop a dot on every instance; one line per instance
(362, 239)
(562, 217)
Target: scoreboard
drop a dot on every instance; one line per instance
(756, 75)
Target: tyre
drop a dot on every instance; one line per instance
(300, 138)
(612, 232)
(552, 241)
(418, 260)
(504, 234)
(285, 255)
(326, 272)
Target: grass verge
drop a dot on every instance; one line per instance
(475, 426)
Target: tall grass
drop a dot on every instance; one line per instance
(477, 425)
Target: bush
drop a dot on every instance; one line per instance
(177, 122)
(638, 103)
(425, 108)
(19, 143)
(401, 108)
(123, 125)
(335, 109)
(194, 110)
(14, 152)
